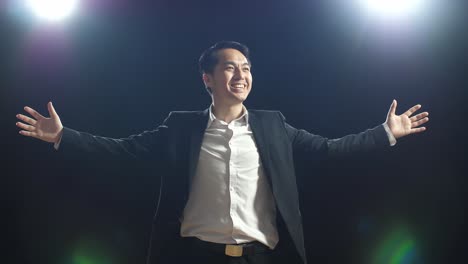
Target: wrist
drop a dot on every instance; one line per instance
(391, 136)
(58, 138)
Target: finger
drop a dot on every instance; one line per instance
(51, 109)
(420, 122)
(25, 127)
(28, 133)
(417, 130)
(419, 116)
(33, 112)
(413, 109)
(26, 119)
(392, 109)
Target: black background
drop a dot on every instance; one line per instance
(118, 67)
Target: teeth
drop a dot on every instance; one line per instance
(238, 86)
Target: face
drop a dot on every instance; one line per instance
(231, 79)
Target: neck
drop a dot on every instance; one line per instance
(227, 113)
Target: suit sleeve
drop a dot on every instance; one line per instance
(368, 140)
(139, 146)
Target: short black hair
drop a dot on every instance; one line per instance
(209, 58)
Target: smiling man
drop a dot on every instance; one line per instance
(227, 77)
(228, 189)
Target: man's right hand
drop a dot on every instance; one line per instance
(48, 129)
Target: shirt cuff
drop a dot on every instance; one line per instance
(57, 144)
(391, 138)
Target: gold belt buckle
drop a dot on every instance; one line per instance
(233, 250)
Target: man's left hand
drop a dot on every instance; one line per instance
(405, 124)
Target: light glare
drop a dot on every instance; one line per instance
(53, 10)
(392, 8)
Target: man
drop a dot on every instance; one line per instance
(229, 191)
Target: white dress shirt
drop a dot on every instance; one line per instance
(230, 200)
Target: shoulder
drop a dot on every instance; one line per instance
(184, 117)
(187, 114)
(267, 114)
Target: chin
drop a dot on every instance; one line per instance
(242, 95)
(241, 98)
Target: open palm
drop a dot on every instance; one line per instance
(47, 129)
(405, 124)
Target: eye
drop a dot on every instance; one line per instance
(230, 68)
(247, 69)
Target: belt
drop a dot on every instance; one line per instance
(232, 250)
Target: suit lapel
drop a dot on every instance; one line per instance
(196, 138)
(258, 130)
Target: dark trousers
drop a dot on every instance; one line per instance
(186, 251)
(220, 259)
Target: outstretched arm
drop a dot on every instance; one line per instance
(405, 124)
(48, 129)
(371, 139)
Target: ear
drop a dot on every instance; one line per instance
(206, 79)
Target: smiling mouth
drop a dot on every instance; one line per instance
(238, 87)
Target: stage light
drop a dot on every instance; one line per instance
(52, 10)
(392, 8)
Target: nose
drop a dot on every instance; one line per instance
(239, 74)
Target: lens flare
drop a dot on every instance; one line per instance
(91, 251)
(399, 247)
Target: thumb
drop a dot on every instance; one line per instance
(393, 107)
(52, 111)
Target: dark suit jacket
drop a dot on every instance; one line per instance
(175, 146)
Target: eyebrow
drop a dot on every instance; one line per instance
(234, 64)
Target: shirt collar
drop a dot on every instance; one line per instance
(244, 117)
